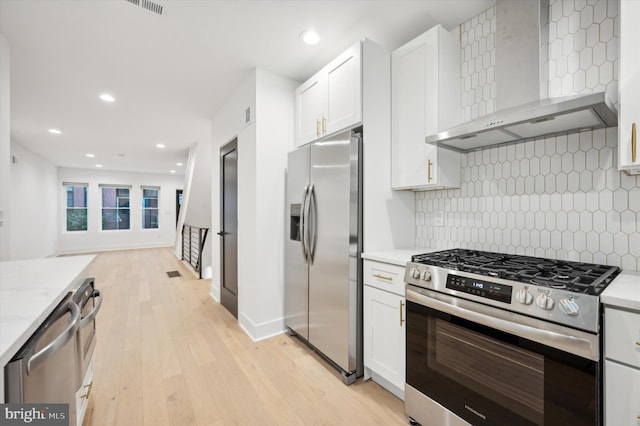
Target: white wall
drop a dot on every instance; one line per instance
(94, 239)
(388, 215)
(5, 149)
(33, 210)
(263, 145)
(275, 134)
(196, 201)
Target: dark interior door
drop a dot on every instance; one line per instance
(229, 226)
(178, 203)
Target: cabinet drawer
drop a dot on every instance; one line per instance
(622, 336)
(384, 276)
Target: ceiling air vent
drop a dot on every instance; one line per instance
(147, 4)
(153, 7)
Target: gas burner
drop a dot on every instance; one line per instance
(558, 274)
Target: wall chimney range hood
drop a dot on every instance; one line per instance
(520, 113)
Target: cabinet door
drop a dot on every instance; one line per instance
(344, 91)
(384, 334)
(424, 101)
(408, 112)
(622, 395)
(310, 98)
(629, 85)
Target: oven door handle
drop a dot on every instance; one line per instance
(578, 342)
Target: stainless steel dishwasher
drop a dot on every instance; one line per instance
(89, 301)
(45, 369)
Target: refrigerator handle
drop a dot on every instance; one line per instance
(303, 224)
(68, 333)
(311, 225)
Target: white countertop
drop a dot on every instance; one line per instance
(623, 292)
(29, 292)
(397, 256)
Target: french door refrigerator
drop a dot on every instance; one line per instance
(323, 269)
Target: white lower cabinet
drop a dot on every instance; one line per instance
(622, 393)
(83, 394)
(384, 327)
(622, 367)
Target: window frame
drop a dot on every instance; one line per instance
(67, 208)
(116, 208)
(144, 188)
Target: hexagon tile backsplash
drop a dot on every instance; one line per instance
(559, 197)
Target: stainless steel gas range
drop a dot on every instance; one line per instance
(497, 339)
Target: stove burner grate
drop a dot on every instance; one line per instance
(573, 276)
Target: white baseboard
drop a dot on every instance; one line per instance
(262, 331)
(86, 250)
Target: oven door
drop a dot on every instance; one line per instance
(492, 367)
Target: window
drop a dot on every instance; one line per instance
(115, 208)
(76, 206)
(150, 207)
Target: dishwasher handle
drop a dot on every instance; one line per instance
(39, 357)
(91, 315)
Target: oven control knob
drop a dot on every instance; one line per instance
(425, 275)
(523, 296)
(545, 302)
(569, 307)
(415, 273)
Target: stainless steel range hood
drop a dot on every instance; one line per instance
(520, 113)
(540, 118)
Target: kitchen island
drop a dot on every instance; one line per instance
(29, 291)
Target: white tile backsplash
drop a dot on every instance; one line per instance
(560, 197)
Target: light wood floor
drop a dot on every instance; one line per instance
(168, 354)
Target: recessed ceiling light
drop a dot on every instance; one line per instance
(90, 155)
(55, 131)
(160, 145)
(310, 37)
(107, 97)
(172, 171)
(178, 164)
(98, 165)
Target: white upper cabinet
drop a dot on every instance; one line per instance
(629, 87)
(425, 99)
(331, 100)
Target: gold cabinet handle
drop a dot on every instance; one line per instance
(401, 308)
(317, 127)
(429, 164)
(633, 142)
(382, 277)
(89, 387)
(324, 125)
(637, 343)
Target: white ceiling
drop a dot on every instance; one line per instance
(171, 73)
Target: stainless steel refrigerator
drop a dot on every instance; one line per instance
(323, 268)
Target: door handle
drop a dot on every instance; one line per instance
(401, 317)
(222, 233)
(91, 315)
(62, 339)
(311, 233)
(633, 143)
(303, 224)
